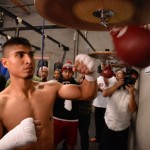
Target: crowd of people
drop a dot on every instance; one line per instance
(40, 113)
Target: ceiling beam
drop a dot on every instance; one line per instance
(80, 33)
(21, 6)
(39, 28)
(36, 47)
(27, 28)
(47, 27)
(32, 27)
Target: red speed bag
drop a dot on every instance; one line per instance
(132, 45)
(107, 72)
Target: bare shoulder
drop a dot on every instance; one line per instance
(50, 84)
(4, 96)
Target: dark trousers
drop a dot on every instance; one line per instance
(113, 140)
(83, 126)
(99, 122)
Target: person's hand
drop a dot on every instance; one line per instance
(120, 81)
(84, 64)
(130, 88)
(38, 127)
(27, 132)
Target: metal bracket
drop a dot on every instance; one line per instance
(104, 16)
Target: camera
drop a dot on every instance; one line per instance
(128, 79)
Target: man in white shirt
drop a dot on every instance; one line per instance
(100, 103)
(121, 104)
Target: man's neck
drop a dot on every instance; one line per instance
(43, 79)
(21, 84)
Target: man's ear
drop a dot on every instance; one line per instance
(4, 62)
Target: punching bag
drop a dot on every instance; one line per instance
(107, 72)
(132, 44)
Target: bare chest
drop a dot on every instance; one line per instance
(18, 109)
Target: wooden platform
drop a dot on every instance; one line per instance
(79, 14)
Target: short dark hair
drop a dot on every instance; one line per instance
(57, 69)
(16, 41)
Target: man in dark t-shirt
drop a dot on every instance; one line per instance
(65, 113)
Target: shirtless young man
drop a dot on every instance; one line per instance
(24, 98)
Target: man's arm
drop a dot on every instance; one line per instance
(23, 134)
(109, 91)
(88, 90)
(132, 103)
(84, 64)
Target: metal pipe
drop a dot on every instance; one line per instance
(36, 48)
(63, 57)
(30, 26)
(80, 33)
(38, 27)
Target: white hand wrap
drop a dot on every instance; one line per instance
(23, 134)
(90, 63)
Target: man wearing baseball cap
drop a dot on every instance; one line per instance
(66, 112)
